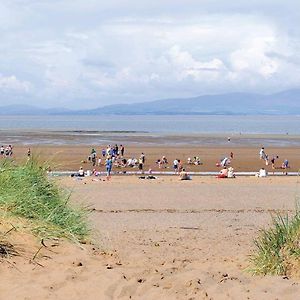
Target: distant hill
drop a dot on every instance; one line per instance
(31, 110)
(286, 102)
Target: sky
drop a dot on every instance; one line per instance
(83, 54)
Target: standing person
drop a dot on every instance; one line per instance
(285, 166)
(143, 157)
(175, 165)
(116, 150)
(122, 150)
(103, 151)
(262, 153)
(2, 150)
(141, 163)
(108, 164)
(273, 161)
(180, 166)
(264, 156)
(93, 156)
(28, 152)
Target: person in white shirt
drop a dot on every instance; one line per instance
(262, 173)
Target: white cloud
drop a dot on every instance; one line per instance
(12, 83)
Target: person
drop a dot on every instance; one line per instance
(175, 165)
(273, 161)
(183, 175)
(122, 150)
(141, 163)
(93, 157)
(262, 173)
(231, 173)
(223, 173)
(180, 165)
(80, 172)
(263, 155)
(159, 163)
(231, 155)
(28, 152)
(164, 160)
(143, 157)
(225, 161)
(2, 150)
(108, 164)
(285, 165)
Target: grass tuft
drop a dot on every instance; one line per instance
(278, 248)
(26, 191)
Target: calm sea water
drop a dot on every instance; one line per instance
(158, 124)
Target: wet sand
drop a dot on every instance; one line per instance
(245, 158)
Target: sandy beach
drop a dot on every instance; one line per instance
(160, 239)
(246, 158)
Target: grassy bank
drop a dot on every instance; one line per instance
(278, 248)
(26, 191)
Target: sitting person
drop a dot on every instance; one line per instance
(80, 172)
(164, 160)
(183, 175)
(223, 173)
(262, 173)
(230, 173)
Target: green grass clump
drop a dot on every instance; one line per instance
(26, 191)
(278, 248)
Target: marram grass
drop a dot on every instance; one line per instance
(277, 249)
(26, 191)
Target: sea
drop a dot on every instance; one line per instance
(212, 124)
(146, 129)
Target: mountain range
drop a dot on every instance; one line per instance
(286, 102)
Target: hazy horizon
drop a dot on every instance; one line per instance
(86, 54)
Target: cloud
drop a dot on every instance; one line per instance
(11, 83)
(77, 53)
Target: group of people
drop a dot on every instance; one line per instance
(263, 156)
(195, 161)
(115, 152)
(6, 151)
(113, 156)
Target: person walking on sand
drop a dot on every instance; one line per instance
(175, 165)
(262, 154)
(273, 161)
(141, 164)
(108, 164)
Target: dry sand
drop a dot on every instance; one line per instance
(160, 239)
